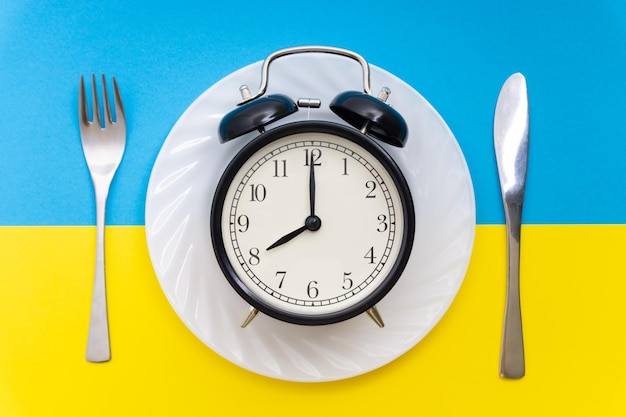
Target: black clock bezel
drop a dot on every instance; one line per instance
(347, 133)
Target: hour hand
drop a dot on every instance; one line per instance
(287, 237)
(312, 223)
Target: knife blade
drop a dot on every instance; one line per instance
(511, 134)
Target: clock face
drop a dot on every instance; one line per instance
(312, 223)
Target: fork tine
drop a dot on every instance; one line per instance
(119, 106)
(82, 103)
(94, 99)
(108, 118)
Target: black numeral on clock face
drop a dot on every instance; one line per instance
(345, 166)
(254, 257)
(312, 290)
(371, 186)
(347, 281)
(312, 155)
(382, 223)
(280, 168)
(280, 275)
(257, 192)
(243, 222)
(370, 255)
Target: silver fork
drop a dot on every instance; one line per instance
(103, 145)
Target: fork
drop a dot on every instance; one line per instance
(103, 141)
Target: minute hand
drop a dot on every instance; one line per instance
(312, 186)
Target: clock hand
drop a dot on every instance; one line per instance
(312, 186)
(312, 223)
(287, 237)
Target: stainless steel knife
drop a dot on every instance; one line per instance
(510, 132)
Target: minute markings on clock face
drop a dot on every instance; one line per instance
(318, 271)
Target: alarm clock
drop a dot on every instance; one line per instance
(312, 221)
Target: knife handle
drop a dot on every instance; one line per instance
(512, 362)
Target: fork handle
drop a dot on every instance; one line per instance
(98, 346)
(512, 362)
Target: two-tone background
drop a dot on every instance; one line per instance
(457, 55)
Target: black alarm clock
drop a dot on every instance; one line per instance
(312, 221)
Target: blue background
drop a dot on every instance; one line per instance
(456, 54)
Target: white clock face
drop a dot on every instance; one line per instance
(314, 240)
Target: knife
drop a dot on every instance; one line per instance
(510, 132)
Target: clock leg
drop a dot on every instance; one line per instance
(250, 314)
(374, 314)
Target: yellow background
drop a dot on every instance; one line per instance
(573, 298)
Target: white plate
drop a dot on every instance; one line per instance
(178, 204)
